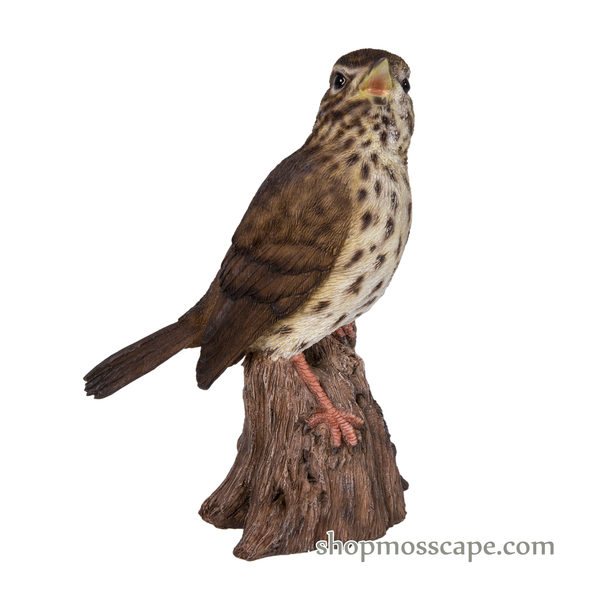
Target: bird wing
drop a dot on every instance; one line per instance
(281, 252)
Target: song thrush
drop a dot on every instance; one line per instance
(316, 248)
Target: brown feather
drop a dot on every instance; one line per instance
(278, 258)
(143, 356)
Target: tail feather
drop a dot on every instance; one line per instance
(146, 354)
(137, 359)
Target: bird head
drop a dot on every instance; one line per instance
(368, 87)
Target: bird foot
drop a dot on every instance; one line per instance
(340, 424)
(348, 331)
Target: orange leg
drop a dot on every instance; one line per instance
(340, 423)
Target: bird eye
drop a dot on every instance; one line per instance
(339, 81)
(406, 85)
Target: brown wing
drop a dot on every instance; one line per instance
(281, 252)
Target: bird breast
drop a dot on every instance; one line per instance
(376, 239)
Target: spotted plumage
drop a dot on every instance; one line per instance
(382, 228)
(320, 240)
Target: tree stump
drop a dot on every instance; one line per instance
(289, 485)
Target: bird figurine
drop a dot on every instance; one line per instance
(317, 247)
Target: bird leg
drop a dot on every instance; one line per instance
(340, 423)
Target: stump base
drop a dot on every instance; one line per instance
(288, 485)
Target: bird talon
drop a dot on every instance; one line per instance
(341, 424)
(347, 332)
(350, 331)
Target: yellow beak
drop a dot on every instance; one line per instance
(378, 83)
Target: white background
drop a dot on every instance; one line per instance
(133, 136)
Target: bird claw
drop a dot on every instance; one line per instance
(339, 423)
(347, 332)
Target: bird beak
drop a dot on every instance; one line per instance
(378, 83)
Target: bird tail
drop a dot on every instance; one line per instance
(146, 354)
(137, 359)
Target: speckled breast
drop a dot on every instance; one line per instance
(363, 269)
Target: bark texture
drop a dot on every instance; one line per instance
(289, 485)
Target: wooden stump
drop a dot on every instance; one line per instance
(289, 485)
